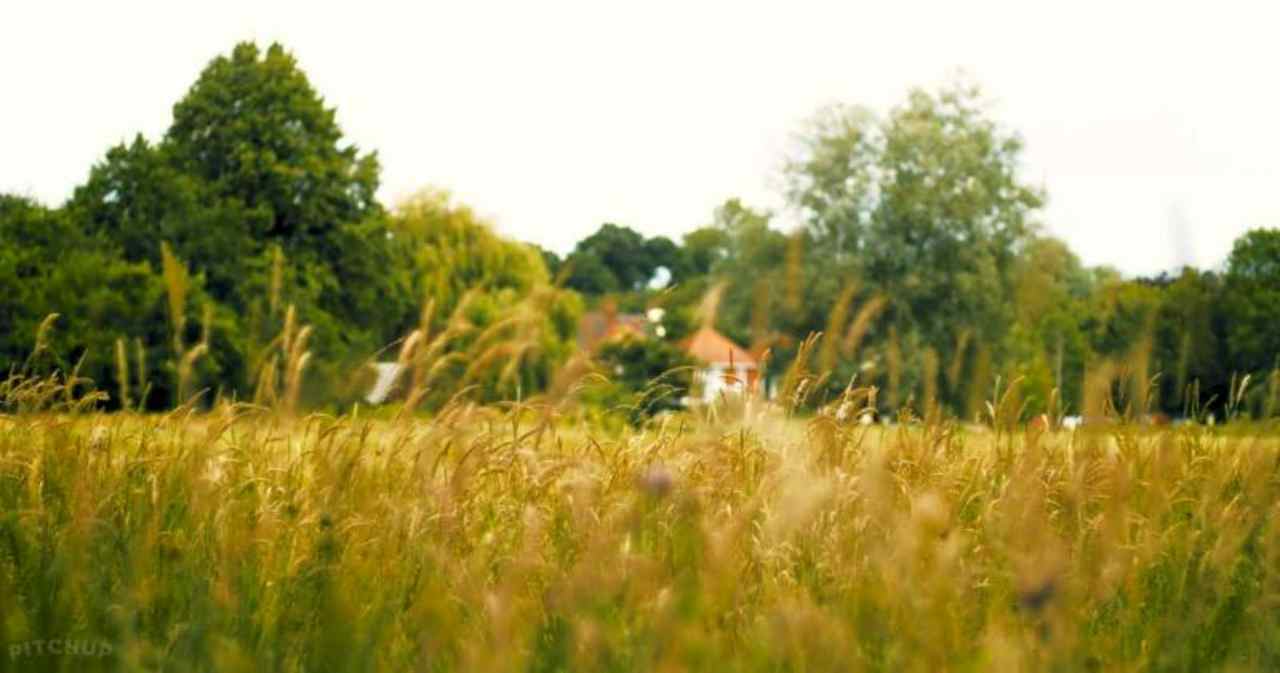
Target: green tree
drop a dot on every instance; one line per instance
(1047, 345)
(662, 253)
(254, 170)
(619, 259)
(618, 250)
(494, 293)
(257, 135)
(49, 265)
(452, 251)
(550, 259)
(137, 199)
(254, 129)
(590, 275)
(924, 207)
(705, 247)
(1189, 343)
(1252, 301)
(750, 259)
(1121, 316)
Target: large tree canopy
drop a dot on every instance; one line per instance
(255, 130)
(926, 204)
(254, 188)
(924, 207)
(619, 259)
(138, 199)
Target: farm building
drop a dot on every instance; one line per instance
(727, 367)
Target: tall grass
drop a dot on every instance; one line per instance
(177, 285)
(518, 538)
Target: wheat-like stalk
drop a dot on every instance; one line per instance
(122, 373)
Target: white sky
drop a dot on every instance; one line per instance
(1152, 125)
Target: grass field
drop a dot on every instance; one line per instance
(524, 538)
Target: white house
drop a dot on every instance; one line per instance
(727, 368)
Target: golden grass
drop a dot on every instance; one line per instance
(523, 538)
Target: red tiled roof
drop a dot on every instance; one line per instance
(713, 347)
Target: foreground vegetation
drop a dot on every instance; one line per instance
(528, 538)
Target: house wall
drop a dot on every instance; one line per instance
(718, 379)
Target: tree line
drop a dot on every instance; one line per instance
(249, 235)
(921, 261)
(251, 220)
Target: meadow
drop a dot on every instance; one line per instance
(184, 487)
(745, 537)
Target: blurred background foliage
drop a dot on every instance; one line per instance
(918, 253)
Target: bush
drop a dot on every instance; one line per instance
(648, 376)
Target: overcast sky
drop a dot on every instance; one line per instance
(1154, 129)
